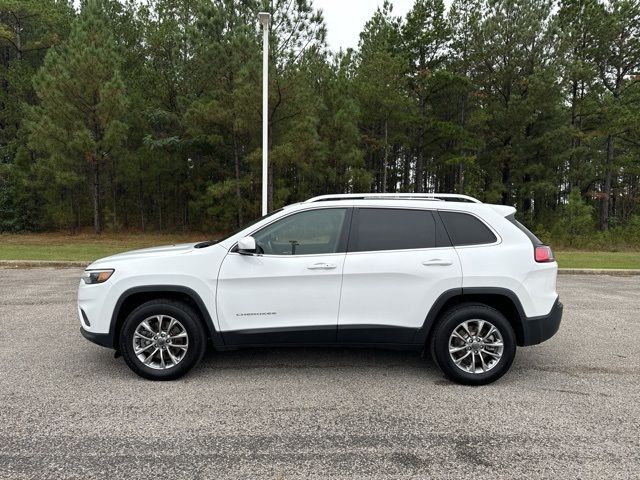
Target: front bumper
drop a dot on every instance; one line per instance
(102, 339)
(538, 329)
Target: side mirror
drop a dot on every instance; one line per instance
(247, 246)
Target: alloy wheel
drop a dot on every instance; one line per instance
(160, 342)
(476, 346)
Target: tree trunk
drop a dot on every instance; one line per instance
(185, 212)
(420, 162)
(506, 180)
(114, 186)
(160, 204)
(141, 198)
(385, 157)
(527, 203)
(18, 39)
(574, 139)
(75, 222)
(463, 120)
(606, 191)
(236, 159)
(406, 174)
(97, 224)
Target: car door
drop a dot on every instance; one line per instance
(398, 263)
(289, 292)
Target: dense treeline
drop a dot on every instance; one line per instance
(147, 115)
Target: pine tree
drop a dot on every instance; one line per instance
(616, 56)
(148, 116)
(512, 67)
(28, 28)
(380, 87)
(574, 33)
(425, 35)
(82, 101)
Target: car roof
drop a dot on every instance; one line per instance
(483, 210)
(455, 197)
(427, 201)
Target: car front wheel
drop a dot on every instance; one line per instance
(473, 344)
(162, 340)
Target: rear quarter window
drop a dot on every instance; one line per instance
(465, 229)
(535, 240)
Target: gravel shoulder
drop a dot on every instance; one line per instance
(568, 408)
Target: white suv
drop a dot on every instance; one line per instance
(446, 272)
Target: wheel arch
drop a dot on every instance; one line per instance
(502, 299)
(136, 296)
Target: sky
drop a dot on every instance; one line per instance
(346, 18)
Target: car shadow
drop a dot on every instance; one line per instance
(101, 362)
(314, 358)
(287, 361)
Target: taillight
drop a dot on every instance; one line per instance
(544, 254)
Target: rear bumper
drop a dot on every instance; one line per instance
(538, 329)
(102, 339)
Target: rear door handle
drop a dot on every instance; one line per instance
(322, 266)
(437, 262)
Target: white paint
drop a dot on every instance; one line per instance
(257, 292)
(385, 288)
(396, 288)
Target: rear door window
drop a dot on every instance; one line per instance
(376, 229)
(465, 229)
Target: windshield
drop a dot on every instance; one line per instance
(248, 225)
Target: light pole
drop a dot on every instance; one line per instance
(265, 20)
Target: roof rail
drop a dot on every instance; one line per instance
(444, 197)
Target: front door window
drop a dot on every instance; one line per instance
(313, 232)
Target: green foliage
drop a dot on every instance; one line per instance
(78, 121)
(146, 115)
(576, 218)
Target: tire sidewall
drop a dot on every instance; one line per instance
(455, 317)
(190, 323)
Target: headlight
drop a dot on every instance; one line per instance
(92, 277)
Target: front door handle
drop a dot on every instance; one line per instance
(322, 266)
(437, 262)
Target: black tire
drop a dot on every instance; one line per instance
(189, 319)
(439, 344)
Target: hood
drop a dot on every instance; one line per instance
(164, 251)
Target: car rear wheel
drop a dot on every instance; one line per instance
(162, 340)
(473, 344)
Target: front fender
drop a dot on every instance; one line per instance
(197, 299)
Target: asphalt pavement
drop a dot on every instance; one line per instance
(569, 408)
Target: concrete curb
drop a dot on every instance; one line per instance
(615, 272)
(42, 264)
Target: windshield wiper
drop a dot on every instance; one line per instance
(206, 244)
